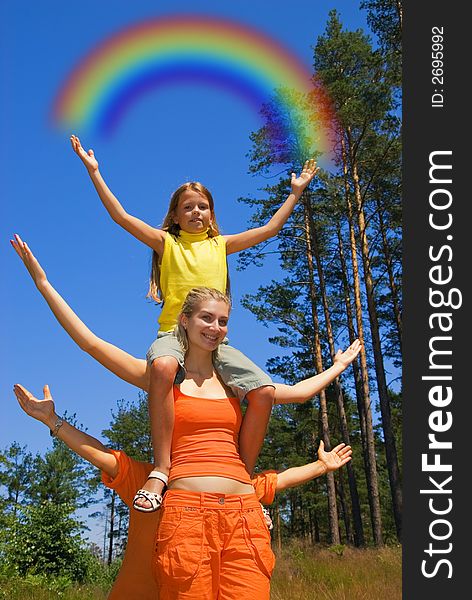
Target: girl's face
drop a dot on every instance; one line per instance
(193, 213)
(208, 325)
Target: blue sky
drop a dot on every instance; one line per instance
(178, 134)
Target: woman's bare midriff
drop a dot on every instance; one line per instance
(213, 485)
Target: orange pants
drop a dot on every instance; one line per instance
(212, 547)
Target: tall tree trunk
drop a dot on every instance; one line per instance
(105, 534)
(316, 524)
(332, 508)
(119, 532)
(352, 332)
(391, 278)
(389, 437)
(344, 507)
(292, 514)
(112, 531)
(366, 411)
(400, 12)
(279, 531)
(356, 508)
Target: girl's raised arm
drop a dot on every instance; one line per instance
(127, 367)
(252, 237)
(79, 442)
(151, 236)
(303, 390)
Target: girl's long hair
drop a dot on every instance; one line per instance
(172, 228)
(194, 299)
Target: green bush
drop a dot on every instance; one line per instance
(46, 540)
(100, 574)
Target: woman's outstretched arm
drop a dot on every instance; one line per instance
(124, 365)
(303, 390)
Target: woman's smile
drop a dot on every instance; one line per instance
(209, 324)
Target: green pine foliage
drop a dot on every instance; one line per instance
(130, 429)
(364, 94)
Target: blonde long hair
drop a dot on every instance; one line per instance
(192, 302)
(173, 228)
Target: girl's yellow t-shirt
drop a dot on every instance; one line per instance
(189, 260)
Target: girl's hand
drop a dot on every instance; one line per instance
(88, 158)
(42, 410)
(34, 268)
(308, 172)
(345, 358)
(334, 460)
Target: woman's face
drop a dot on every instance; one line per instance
(208, 325)
(193, 212)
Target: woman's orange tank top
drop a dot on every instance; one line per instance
(205, 438)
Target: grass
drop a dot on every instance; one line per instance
(302, 573)
(26, 589)
(307, 573)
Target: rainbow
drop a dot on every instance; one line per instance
(163, 51)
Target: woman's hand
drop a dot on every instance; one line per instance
(336, 458)
(42, 410)
(308, 172)
(345, 358)
(88, 158)
(34, 268)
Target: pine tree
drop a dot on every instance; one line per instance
(354, 75)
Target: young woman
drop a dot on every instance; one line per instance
(212, 540)
(134, 370)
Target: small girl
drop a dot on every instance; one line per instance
(189, 252)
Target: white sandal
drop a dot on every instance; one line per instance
(152, 497)
(267, 517)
